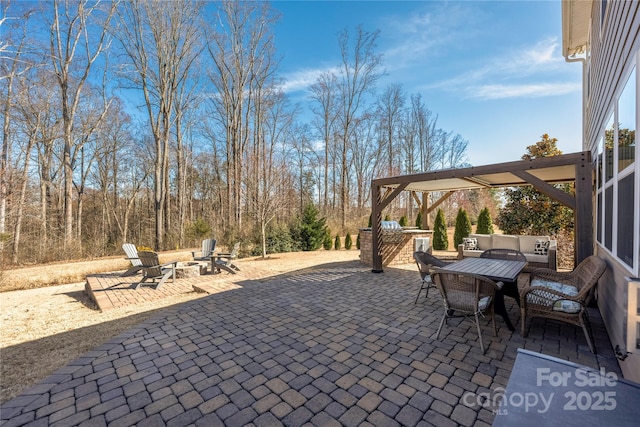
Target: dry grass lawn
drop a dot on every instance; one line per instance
(42, 328)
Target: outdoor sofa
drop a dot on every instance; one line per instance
(540, 251)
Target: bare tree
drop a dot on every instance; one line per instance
(118, 181)
(161, 40)
(300, 141)
(325, 107)
(12, 66)
(241, 50)
(390, 105)
(273, 177)
(366, 156)
(76, 44)
(359, 73)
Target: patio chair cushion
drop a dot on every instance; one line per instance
(483, 303)
(470, 243)
(542, 247)
(565, 306)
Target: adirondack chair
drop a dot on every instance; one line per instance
(132, 256)
(208, 246)
(154, 271)
(224, 261)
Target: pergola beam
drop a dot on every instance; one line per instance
(439, 201)
(499, 168)
(551, 191)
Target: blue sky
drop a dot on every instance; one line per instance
(492, 71)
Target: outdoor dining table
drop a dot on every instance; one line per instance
(498, 270)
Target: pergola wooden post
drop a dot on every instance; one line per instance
(583, 213)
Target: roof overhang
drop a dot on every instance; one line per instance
(576, 17)
(552, 170)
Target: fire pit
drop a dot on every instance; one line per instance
(190, 269)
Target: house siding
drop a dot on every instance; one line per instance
(611, 56)
(612, 48)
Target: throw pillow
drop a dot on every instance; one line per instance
(470, 243)
(542, 247)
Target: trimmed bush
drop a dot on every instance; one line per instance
(387, 217)
(337, 245)
(485, 225)
(358, 241)
(348, 242)
(440, 240)
(327, 243)
(463, 227)
(419, 220)
(403, 221)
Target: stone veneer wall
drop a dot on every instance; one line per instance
(392, 253)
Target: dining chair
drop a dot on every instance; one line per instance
(426, 262)
(563, 296)
(471, 295)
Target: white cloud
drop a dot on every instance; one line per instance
(301, 80)
(543, 56)
(534, 90)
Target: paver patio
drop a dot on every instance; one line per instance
(336, 345)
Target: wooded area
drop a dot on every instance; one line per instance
(161, 123)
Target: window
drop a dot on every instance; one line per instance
(617, 225)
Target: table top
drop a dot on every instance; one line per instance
(545, 390)
(500, 270)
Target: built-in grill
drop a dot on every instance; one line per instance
(391, 232)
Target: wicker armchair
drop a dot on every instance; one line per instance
(426, 263)
(469, 294)
(562, 296)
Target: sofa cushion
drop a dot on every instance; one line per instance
(528, 243)
(470, 243)
(504, 241)
(484, 241)
(542, 247)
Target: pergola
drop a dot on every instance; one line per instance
(541, 173)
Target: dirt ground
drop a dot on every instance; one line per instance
(45, 328)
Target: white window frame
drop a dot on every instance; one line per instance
(617, 176)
